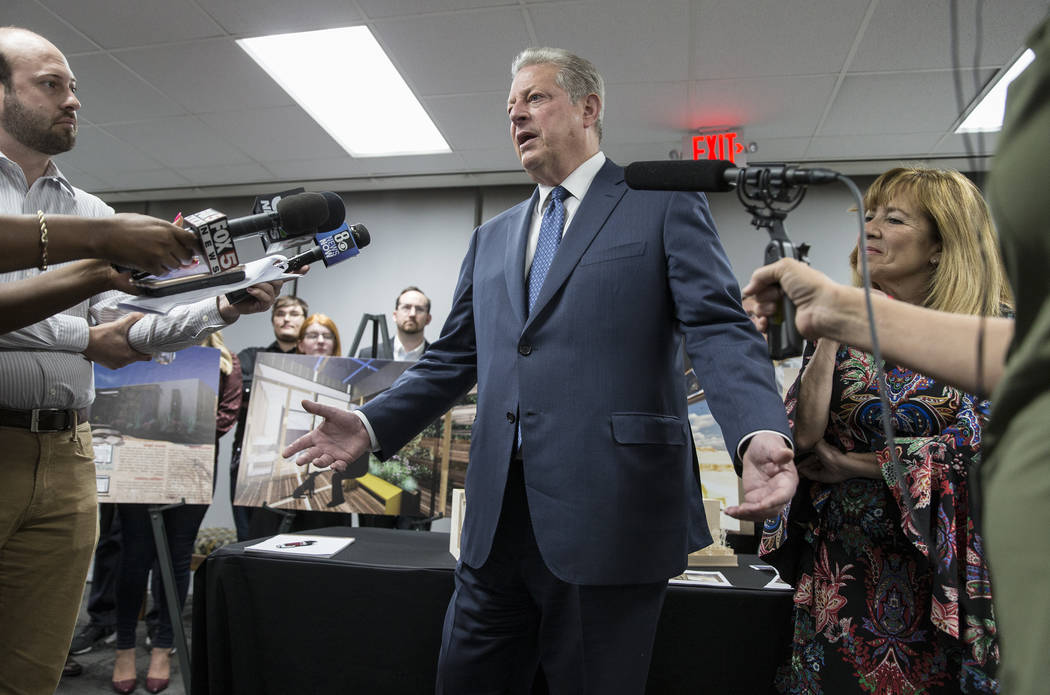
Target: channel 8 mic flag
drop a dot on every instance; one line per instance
(337, 245)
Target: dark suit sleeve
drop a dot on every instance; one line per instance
(729, 356)
(443, 374)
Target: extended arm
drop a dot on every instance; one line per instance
(827, 309)
(127, 239)
(24, 302)
(814, 395)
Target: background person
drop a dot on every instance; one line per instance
(318, 336)
(139, 552)
(853, 542)
(411, 317)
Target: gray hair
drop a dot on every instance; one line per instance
(576, 75)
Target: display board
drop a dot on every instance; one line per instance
(416, 481)
(153, 428)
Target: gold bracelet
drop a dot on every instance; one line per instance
(43, 239)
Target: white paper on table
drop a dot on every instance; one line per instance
(776, 582)
(298, 544)
(261, 270)
(700, 578)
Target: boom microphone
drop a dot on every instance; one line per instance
(716, 176)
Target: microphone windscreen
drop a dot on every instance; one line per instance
(302, 213)
(707, 175)
(361, 236)
(336, 212)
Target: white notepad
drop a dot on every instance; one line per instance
(298, 544)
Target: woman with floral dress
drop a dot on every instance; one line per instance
(892, 594)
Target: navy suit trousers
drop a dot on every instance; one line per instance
(512, 616)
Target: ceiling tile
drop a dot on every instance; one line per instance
(919, 102)
(255, 18)
(414, 164)
(455, 53)
(626, 41)
(123, 23)
(110, 92)
(471, 121)
(33, 16)
(183, 141)
(316, 169)
(148, 180)
(277, 134)
(102, 155)
(378, 9)
(226, 174)
(751, 38)
(766, 107)
(855, 146)
(206, 76)
(923, 41)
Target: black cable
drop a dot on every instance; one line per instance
(896, 468)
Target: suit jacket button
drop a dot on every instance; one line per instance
(510, 417)
(524, 349)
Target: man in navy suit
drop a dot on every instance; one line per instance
(569, 314)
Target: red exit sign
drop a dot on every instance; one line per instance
(725, 146)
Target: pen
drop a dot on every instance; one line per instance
(295, 544)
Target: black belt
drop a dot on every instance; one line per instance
(42, 420)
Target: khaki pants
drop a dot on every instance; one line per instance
(48, 529)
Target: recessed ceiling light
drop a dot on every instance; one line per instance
(987, 115)
(344, 80)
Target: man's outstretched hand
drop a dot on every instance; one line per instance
(340, 440)
(769, 478)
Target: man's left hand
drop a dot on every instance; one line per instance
(769, 478)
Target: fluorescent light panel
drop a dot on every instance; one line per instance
(987, 115)
(344, 80)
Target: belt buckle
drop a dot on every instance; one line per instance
(34, 420)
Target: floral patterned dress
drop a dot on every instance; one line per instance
(876, 609)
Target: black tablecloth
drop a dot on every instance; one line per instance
(368, 620)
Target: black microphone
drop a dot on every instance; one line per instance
(295, 215)
(336, 215)
(333, 246)
(716, 175)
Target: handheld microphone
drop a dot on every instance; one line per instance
(336, 217)
(716, 176)
(333, 246)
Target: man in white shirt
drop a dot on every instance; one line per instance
(48, 511)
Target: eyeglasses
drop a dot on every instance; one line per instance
(409, 308)
(318, 336)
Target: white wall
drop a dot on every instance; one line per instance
(419, 238)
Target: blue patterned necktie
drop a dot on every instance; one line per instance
(550, 236)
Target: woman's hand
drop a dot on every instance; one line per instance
(828, 464)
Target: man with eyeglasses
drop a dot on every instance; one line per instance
(411, 316)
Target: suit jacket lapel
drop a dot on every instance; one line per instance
(514, 260)
(605, 193)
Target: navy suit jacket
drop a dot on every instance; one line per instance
(594, 379)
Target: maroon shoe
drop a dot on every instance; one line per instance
(125, 686)
(155, 685)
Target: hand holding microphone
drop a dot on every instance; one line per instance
(769, 193)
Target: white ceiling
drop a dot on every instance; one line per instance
(172, 107)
